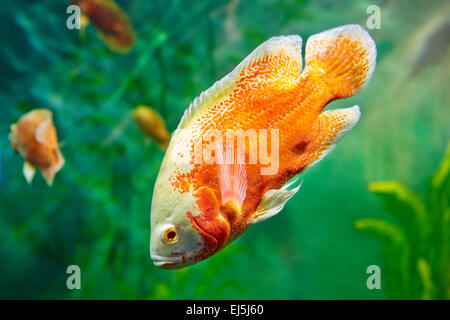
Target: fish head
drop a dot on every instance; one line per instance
(185, 229)
(186, 226)
(174, 242)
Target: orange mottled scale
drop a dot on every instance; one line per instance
(269, 90)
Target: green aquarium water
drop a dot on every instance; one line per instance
(375, 206)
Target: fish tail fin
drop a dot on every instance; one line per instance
(346, 55)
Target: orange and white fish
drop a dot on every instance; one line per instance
(199, 207)
(34, 137)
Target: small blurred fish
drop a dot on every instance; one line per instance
(34, 137)
(110, 21)
(152, 124)
(431, 42)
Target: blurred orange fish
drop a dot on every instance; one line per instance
(34, 137)
(151, 123)
(111, 22)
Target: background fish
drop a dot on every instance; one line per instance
(34, 137)
(430, 43)
(152, 125)
(199, 208)
(110, 21)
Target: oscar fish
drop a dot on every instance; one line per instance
(34, 137)
(199, 207)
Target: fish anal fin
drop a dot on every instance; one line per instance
(28, 171)
(345, 56)
(274, 201)
(332, 125)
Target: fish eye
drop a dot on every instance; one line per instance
(170, 235)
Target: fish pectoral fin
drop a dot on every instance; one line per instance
(232, 176)
(274, 200)
(28, 172)
(332, 126)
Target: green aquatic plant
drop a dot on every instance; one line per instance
(416, 251)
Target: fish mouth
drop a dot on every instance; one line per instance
(167, 262)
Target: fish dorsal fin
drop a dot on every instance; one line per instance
(291, 66)
(274, 200)
(232, 176)
(333, 125)
(46, 133)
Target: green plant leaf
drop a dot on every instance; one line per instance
(438, 206)
(408, 208)
(425, 274)
(443, 172)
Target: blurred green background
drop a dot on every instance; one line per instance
(97, 214)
